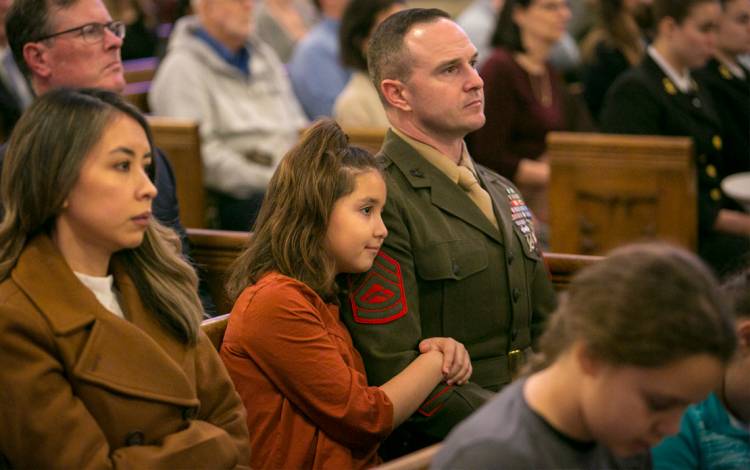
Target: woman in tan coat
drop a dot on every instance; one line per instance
(103, 363)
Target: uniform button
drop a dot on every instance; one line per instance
(711, 171)
(516, 294)
(511, 257)
(716, 141)
(134, 438)
(189, 413)
(456, 269)
(697, 102)
(416, 172)
(715, 194)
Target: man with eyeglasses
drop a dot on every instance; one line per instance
(75, 43)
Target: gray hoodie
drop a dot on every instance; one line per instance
(246, 123)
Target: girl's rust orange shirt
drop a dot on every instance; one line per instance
(303, 383)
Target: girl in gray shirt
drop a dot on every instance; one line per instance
(637, 337)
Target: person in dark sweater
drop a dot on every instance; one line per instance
(523, 96)
(638, 337)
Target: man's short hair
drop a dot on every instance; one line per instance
(676, 9)
(27, 21)
(387, 58)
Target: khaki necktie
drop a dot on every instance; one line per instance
(474, 190)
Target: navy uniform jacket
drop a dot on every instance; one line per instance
(731, 95)
(645, 101)
(445, 270)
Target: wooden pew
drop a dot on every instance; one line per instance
(137, 95)
(140, 70)
(215, 250)
(215, 328)
(138, 76)
(369, 138)
(608, 190)
(180, 140)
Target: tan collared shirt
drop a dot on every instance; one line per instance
(446, 166)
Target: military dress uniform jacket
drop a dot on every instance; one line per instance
(731, 95)
(83, 388)
(445, 270)
(645, 101)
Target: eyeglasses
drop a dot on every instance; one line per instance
(93, 33)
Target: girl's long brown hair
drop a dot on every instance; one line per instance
(290, 231)
(644, 305)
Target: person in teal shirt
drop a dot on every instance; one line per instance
(715, 434)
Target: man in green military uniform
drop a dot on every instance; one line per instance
(461, 258)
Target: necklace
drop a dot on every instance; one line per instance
(541, 88)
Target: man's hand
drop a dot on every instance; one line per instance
(456, 361)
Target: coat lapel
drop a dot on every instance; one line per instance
(444, 194)
(131, 357)
(697, 104)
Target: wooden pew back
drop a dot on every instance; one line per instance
(138, 76)
(608, 190)
(369, 138)
(215, 250)
(180, 140)
(215, 328)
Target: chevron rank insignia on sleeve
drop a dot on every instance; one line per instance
(378, 296)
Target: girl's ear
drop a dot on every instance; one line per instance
(743, 334)
(589, 363)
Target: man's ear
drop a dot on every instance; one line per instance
(37, 59)
(395, 94)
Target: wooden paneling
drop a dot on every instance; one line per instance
(609, 190)
(215, 250)
(180, 140)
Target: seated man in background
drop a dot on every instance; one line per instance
(316, 71)
(59, 43)
(219, 74)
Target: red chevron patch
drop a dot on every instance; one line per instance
(379, 295)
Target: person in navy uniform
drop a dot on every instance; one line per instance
(728, 82)
(461, 258)
(660, 97)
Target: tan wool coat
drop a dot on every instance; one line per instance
(82, 388)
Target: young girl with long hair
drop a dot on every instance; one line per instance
(636, 338)
(288, 352)
(103, 363)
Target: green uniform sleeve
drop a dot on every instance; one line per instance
(383, 315)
